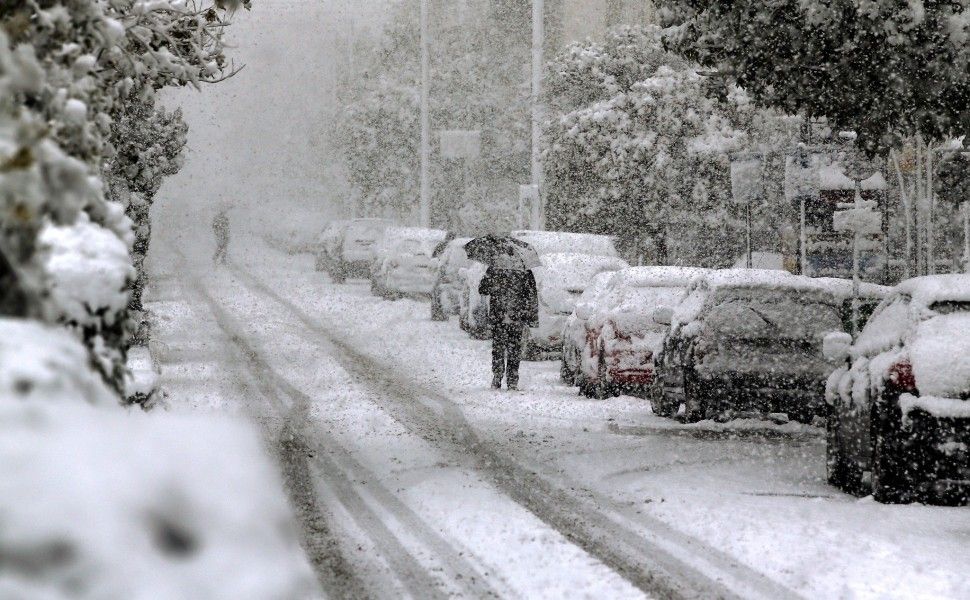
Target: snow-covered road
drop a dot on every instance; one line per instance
(413, 478)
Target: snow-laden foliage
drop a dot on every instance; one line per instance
(47, 365)
(648, 159)
(477, 83)
(194, 510)
(884, 68)
(69, 71)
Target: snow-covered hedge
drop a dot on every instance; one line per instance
(195, 509)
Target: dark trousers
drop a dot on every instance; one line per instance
(506, 351)
(221, 248)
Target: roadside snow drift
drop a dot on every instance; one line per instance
(115, 504)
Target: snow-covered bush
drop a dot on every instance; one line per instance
(46, 364)
(195, 510)
(68, 72)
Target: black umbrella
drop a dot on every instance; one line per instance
(502, 252)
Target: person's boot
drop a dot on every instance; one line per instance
(512, 385)
(497, 382)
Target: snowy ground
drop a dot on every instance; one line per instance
(411, 477)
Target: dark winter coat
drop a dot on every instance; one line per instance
(220, 226)
(513, 297)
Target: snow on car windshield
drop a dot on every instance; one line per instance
(940, 350)
(779, 314)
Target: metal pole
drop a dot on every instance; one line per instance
(536, 165)
(802, 237)
(748, 261)
(856, 283)
(930, 201)
(966, 237)
(425, 216)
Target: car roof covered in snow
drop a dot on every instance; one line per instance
(576, 260)
(416, 233)
(843, 288)
(657, 276)
(767, 279)
(546, 242)
(937, 288)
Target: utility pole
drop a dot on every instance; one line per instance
(425, 121)
(536, 165)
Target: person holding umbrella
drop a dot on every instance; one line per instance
(513, 299)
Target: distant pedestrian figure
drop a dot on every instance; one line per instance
(513, 306)
(220, 227)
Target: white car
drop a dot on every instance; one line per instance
(474, 309)
(404, 265)
(574, 329)
(899, 406)
(328, 244)
(621, 337)
(560, 281)
(446, 295)
(358, 242)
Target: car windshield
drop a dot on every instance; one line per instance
(771, 313)
(949, 307)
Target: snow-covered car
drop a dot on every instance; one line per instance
(403, 265)
(474, 309)
(446, 294)
(621, 336)
(328, 244)
(746, 342)
(560, 281)
(574, 329)
(899, 406)
(355, 253)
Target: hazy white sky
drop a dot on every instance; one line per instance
(259, 140)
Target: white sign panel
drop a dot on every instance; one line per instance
(863, 221)
(746, 183)
(460, 143)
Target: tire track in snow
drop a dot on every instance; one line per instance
(648, 553)
(307, 449)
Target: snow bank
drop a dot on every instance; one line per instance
(116, 504)
(90, 269)
(41, 363)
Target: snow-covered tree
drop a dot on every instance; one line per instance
(886, 69)
(638, 144)
(477, 83)
(68, 71)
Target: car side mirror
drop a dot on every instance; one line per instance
(663, 315)
(835, 346)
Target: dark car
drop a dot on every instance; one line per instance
(746, 342)
(899, 406)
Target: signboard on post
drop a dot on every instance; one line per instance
(460, 143)
(861, 220)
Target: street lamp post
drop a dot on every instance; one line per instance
(425, 211)
(536, 164)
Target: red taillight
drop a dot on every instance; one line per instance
(901, 376)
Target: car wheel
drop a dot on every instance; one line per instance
(337, 274)
(834, 458)
(890, 483)
(603, 388)
(659, 403)
(694, 401)
(437, 311)
(565, 373)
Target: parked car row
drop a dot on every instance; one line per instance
(885, 370)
